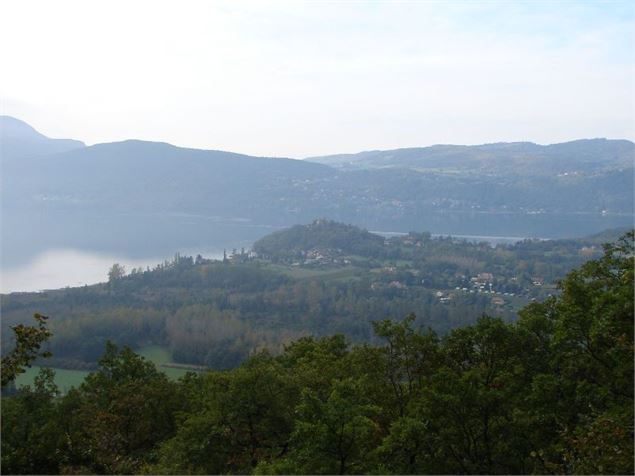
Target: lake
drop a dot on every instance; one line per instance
(55, 249)
(58, 268)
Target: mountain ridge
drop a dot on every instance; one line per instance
(21, 140)
(587, 151)
(582, 186)
(12, 128)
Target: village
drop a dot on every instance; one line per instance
(405, 276)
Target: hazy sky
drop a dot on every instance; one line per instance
(309, 78)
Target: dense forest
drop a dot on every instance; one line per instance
(317, 279)
(549, 393)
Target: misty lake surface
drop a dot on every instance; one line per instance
(56, 250)
(74, 250)
(59, 268)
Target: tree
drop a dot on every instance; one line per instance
(117, 271)
(336, 435)
(408, 448)
(584, 390)
(468, 404)
(411, 357)
(237, 420)
(28, 341)
(119, 414)
(31, 436)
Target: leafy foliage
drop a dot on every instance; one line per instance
(216, 313)
(551, 393)
(28, 341)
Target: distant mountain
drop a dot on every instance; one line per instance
(580, 156)
(123, 189)
(19, 140)
(152, 177)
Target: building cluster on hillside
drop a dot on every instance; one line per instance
(321, 256)
(537, 280)
(236, 256)
(484, 283)
(443, 297)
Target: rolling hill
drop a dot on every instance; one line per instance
(517, 189)
(517, 158)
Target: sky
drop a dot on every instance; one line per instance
(299, 79)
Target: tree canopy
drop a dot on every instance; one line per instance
(549, 394)
(28, 342)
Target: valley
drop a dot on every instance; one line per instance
(317, 279)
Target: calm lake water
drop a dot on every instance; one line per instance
(58, 268)
(59, 250)
(56, 250)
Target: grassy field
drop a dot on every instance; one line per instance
(159, 356)
(326, 272)
(66, 379)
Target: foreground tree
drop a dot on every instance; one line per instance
(583, 387)
(334, 435)
(551, 393)
(28, 342)
(31, 436)
(235, 420)
(115, 419)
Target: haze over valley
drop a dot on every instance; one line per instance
(143, 201)
(317, 237)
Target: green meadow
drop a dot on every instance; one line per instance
(66, 379)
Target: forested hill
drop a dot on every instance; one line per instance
(502, 189)
(215, 313)
(321, 234)
(153, 177)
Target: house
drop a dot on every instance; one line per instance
(587, 251)
(397, 285)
